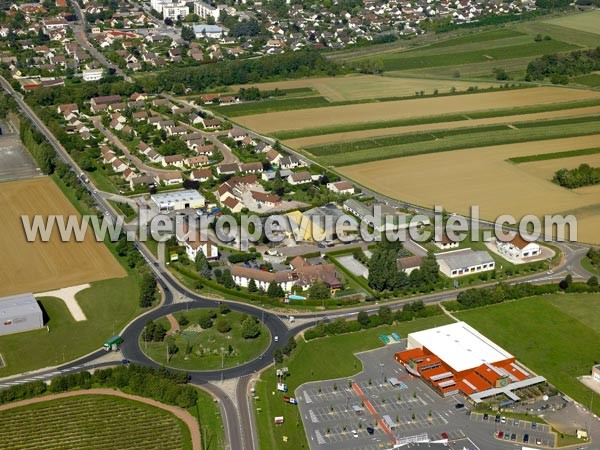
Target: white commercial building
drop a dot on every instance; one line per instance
(460, 346)
(518, 248)
(20, 313)
(204, 10)
(458, 263)
(92, 74)
(170, 9)
(173, 201)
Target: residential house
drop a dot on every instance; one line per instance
(341, 187)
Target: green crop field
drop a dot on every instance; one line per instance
(269, 105)
(306, 364)
(401, 61)
(461, 141)
(557, 336)
(91, 422)
(476, 37)
(200, 349)
(557, 155)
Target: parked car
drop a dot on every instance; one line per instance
(459, 405)
(513, 437)
(525, 439)
(354, 433)
(485, 416)
(533, 425)
(497, 419)
(370, 430)
(503, 419)
(500, 434)
(444, 436)
(516, 422)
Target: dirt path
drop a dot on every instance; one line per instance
(185, 416)
(174, 324)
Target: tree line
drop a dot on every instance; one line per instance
(364, 321)
(557, 65)
(159, 384)
(584, 175)
(286, 65)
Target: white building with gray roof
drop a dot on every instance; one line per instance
(20, 313)
(464, 262)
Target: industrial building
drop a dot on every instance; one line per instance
(464, 262)
(174, 201)
(20, 313)
(456, 358)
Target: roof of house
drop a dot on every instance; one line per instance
(265, 197)
(409, 262)
(261, 275)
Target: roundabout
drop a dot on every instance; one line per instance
(201, 339)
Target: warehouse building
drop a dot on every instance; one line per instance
(174, 201)
(456, 358)
(464, 262)
(20, 313)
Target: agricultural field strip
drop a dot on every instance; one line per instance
(557, 155)
(588, 22)
(462, 142)
(413, 108)
(429, 120)
(313, 141)
(91, 422)
(396, 62)
(399, 139)
(476, 37)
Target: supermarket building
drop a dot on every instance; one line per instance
(457, 359)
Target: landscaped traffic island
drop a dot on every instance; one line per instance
(205, 339)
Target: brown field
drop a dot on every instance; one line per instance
(356, 87)
(365, 134)
(42, 266)
(482, 176)
(404, 109)
(547, 169)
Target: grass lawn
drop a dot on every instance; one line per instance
(208, 414)
(319, 359)
(591, 80)
(108, 305)
(557, 336)
(93, 422)
(587, 265)
(203, 347)
(125, 210)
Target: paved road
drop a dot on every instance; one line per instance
(79, 31)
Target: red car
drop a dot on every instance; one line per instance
(444, 436)
(500, 434)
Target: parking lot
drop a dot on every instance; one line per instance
(366, 412)
(506, 429)
(15, 162)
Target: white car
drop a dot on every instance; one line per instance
(276, 338)
(354, 433)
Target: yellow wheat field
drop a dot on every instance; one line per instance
(42, 266)
(482, 176)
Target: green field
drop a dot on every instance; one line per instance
(476, 37)
(201, 350)
(307, 364)
(456, 142)
(411, 138)
(557, 155)
(406, 61)
(307, 132)
(587, 265)
(588, 22)
(557, 336)
(591, 80)
(269, 105)
(92, 422)
(108, 306)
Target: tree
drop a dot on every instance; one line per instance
(289, 346)
(154, 332)
(171, 347)
(224, 309)
(363, 319)
(227, 279)
(147, 290)
(183, 321)
(385, 313)
(223, 325)
(275, 291)
(592, 281)
(202, 265)
(205, 321)
(318, 291)
(250, 328)
(252, 286)
(278, 356)
(187, 34)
